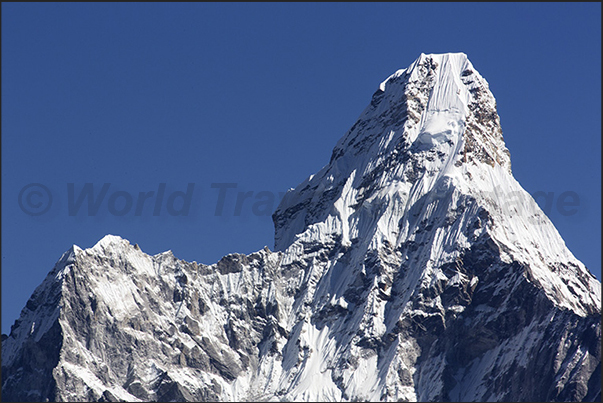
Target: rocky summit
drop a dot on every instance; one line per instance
(413, 266)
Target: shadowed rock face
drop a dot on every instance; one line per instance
(401, 273)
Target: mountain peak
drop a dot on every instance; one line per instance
(412, 267)
(454, 61)
(430, 142)
(438, 116)
(109, 240)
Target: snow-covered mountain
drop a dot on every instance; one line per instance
(413, 266)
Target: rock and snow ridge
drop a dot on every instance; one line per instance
(411, 267)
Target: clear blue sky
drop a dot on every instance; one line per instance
(136, 95)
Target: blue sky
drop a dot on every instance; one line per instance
(256, 96)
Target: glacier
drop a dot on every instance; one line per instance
(411, 267)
